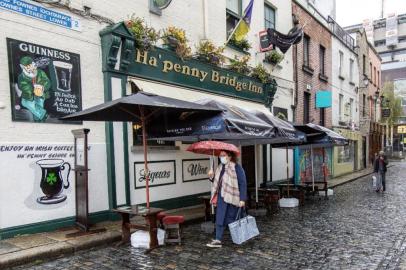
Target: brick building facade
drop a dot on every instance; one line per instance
(310, 74)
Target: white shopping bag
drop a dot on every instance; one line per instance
(373, 181)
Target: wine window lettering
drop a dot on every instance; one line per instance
(195, 169)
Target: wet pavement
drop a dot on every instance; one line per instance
(356, 228)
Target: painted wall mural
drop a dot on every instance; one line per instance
(304, 164)
(45, 82)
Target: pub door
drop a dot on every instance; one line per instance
(248, 164)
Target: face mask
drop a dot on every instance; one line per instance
(223, 160)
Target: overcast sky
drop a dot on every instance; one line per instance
(351, 12)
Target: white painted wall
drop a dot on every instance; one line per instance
(188, 15)
(344, 87)
(19, 185)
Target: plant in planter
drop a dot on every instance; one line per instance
(145, 37)
(243, 44)
(240, 65)
(175, 39)
(273, 57)
(259, 72)
(208, 52)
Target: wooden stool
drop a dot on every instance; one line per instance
(160, 217)
(172, 225)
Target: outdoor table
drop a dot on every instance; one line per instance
(150, 216)
(207, 207)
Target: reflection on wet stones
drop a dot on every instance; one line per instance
(355, 229)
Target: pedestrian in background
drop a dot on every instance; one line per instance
(380, 168)
(229, 193)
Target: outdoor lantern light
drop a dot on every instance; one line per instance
(366, 81)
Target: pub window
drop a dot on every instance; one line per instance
(269, 17)
(351, 107)
(306, 51)
(306, 108)
(137, 133)
(233, 14)
(322, 55)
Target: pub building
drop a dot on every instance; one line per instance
(57, 70)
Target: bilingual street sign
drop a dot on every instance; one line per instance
(401, 129)
(29, 9)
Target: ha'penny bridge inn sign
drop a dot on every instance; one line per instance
(165, 66)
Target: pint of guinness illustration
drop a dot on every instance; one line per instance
(63, 73)
(52, 183)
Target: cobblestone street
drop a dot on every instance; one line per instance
(356, 229)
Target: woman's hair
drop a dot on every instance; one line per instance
(232, 155)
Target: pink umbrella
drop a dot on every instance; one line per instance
(212, 148)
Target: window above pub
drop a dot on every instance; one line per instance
(233, 14)
(269, 17)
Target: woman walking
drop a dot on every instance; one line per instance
(380, 168)
(229, 192)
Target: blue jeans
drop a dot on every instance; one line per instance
(219, 232)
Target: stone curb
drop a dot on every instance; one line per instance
(54, 250)
(67, 247)
(355, 178)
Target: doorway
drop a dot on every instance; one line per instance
(248, 163)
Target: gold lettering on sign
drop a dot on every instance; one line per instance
(167, 66)
(142, 57)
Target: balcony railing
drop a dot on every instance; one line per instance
(340, 33)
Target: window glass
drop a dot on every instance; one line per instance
(269, 17)
(306, 45)
(234, 6)
(346, 153)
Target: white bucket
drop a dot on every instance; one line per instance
(141, 239)
(288, 202)
(330, 192)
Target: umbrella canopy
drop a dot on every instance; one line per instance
(142, 108)
(234, 125)
(321, 135)
(285, 132)
(132, 107)
(212, 148)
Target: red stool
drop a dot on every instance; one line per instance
(172, 225)
(160, 217)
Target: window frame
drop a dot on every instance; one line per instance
(341, 63)
(268, 6)
(306, 50)
(306, 107)
(322, 60)
(351, 70)
(236, 16)
(340, 106)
